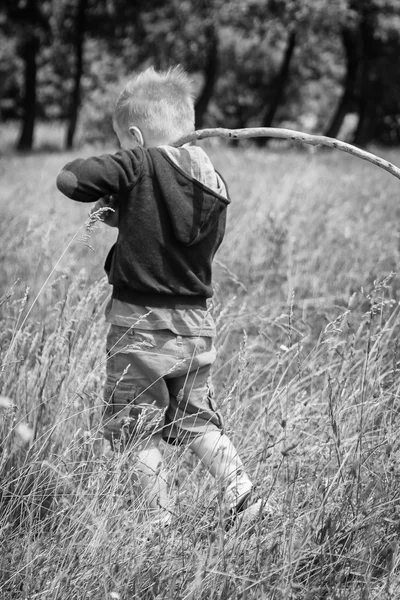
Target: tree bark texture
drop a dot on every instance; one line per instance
(29, 50)
(351, 48)
(210, 78)
(369, 81)
(279, 85)
(76, 91)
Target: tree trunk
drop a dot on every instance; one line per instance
(279, 85)
(80, 28)
(210, 78)
(29, 56)
(369, 88)
(352, 61)
(367, 109)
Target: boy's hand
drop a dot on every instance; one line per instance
(109, 217)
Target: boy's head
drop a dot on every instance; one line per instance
(154, 108)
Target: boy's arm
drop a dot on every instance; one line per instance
(87, 180)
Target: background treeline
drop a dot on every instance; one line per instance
(299, 63)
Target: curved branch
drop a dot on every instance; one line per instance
(289, 134)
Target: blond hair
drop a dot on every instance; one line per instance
(161, 102)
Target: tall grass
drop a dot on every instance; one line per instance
(307, 380)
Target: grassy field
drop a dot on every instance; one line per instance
(307, 377)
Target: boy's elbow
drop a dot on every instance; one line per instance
(67, 183)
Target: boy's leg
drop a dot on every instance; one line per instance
(152, 477)
(193, 419)
(135, 396)
(219, 456)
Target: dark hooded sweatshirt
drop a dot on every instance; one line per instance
(170, 225)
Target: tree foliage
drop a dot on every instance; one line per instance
(300, 63)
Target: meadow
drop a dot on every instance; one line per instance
(307, 378)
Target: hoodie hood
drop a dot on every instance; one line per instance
(194, 194)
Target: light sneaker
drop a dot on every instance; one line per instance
(250, 516)
(237, 496)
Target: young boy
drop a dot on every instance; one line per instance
(170, 212)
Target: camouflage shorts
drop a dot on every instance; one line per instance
(158, 383)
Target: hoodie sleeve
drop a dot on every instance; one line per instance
(87, 180)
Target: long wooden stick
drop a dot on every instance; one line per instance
(289, 134)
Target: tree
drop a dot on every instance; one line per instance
(80, 28)
(278, 86)
(352, 61)
(28, 25)
(210, 75)
(371, 43)
(292, 50)
(254, 62)
(368, 95)
(29, 50)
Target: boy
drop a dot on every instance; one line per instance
(170, 213)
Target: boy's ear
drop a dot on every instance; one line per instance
(137, 134)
